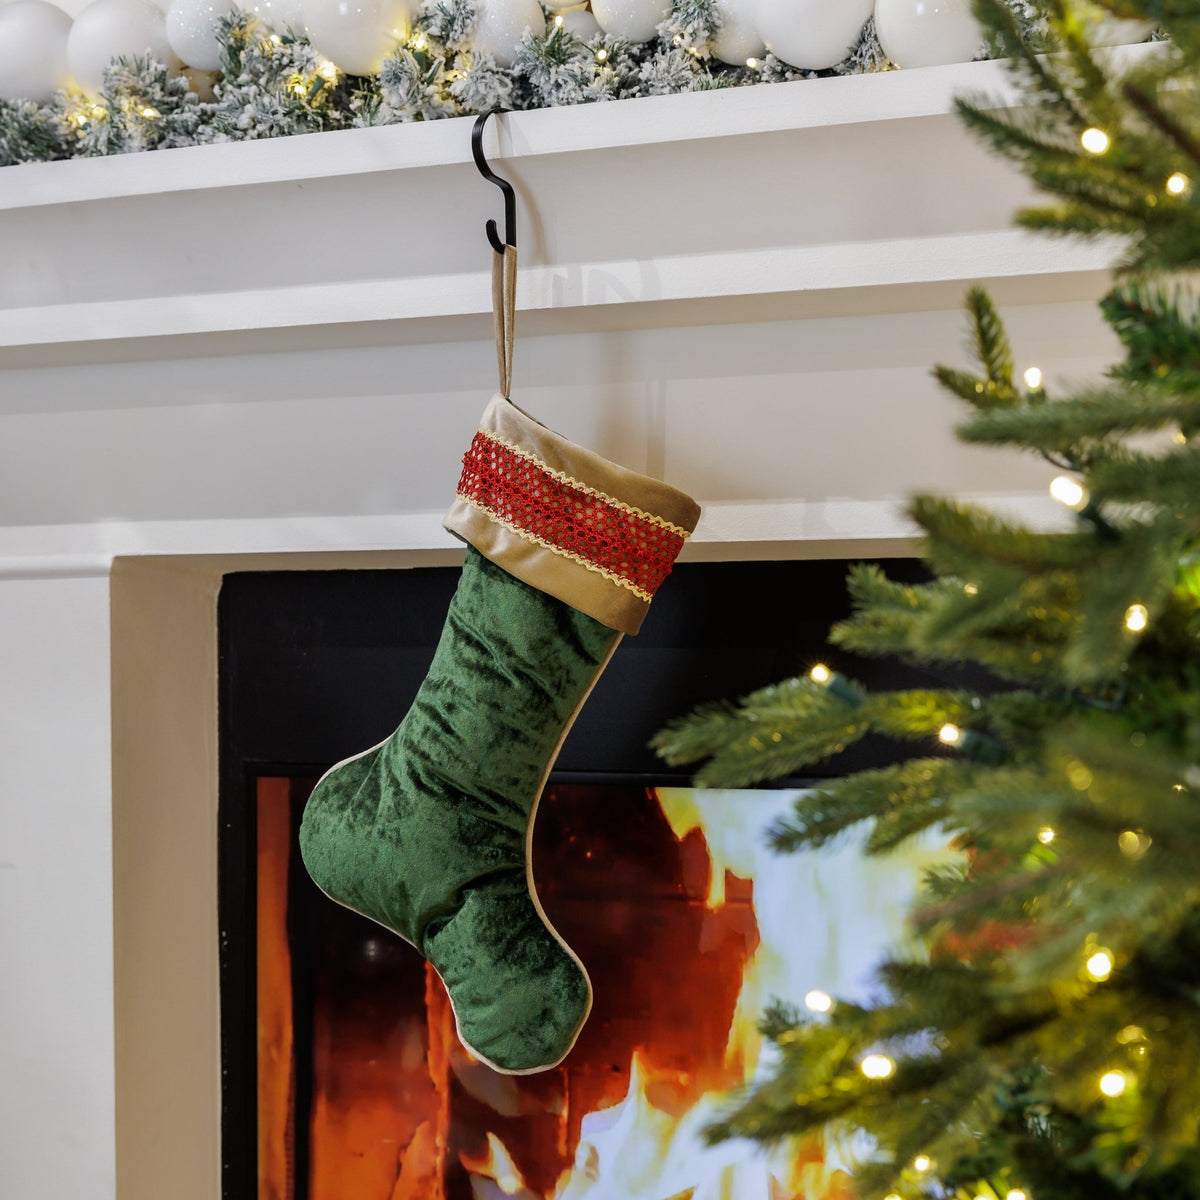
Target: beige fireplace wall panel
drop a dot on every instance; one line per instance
(272, 352)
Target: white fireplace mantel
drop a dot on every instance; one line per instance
(276, 352)
(801, 199)
(738, 270)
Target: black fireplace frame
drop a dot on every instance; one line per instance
(314, 666)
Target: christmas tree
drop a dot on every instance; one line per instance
(1046, 1045)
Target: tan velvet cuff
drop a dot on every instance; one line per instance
(566, 521)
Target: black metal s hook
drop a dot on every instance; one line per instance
(510, 196)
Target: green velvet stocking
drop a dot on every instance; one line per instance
(429, 833)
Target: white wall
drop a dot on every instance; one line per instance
(56, 941)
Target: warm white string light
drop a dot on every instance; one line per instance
(1178, 183)
(1099, 965)
(1113, 1083)
(818, 1001)
(1033, 378)
(1134, 843)
(1137, 617)
(1094, 141)
(877, 1066)
(1069, 491)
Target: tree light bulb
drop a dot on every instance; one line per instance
(950, 735)
(1177, 184)
(1069, 491)
(1016, 1194)
(752, 63)
(820, 674)
(150, 112)
(1033, 378)
(558, 21)
(922, 1162)
(1099, 966)
(970, 589)
(328, 70)
(1137, 617)
(877, 1066)
(601, 55)
(1133, 843)
(1094, 141)
(1046, 835)
(818, 1001)
(1112, 1083)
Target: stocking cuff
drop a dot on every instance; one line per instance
(566, 521)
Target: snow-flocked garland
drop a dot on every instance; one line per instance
(273, 83)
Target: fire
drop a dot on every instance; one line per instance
(708, 926)
(498, 1166)
(635, 1151)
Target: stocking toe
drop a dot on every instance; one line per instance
(520, 995)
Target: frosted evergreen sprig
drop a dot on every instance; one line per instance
(691, 26)
(449, 22)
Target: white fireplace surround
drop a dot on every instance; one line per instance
(274, 354)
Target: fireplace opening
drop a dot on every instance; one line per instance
(342, 1072)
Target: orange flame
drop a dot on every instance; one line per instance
(496, 1165)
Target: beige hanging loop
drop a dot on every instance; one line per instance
(504, 310)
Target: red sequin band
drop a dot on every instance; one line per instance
(632, 548)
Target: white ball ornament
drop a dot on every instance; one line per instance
(927, 33)
(812, 34)
(111, 29)
(738, 39)
(634, 20)
(358, 34)
(1103, 29)
(500, 25)
(33, 50)
(581, 23)
(192, 31)
(1114, 31)
(279, 15)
